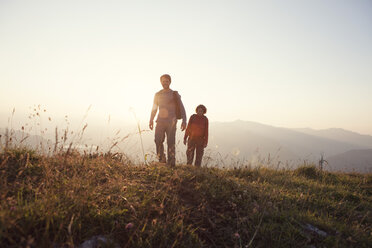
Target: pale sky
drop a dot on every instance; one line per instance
(283, 63)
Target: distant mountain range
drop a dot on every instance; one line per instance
(20, 137)
(354, 160)
(254, 143)
(341, 135)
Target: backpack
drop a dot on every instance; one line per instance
(177, 102)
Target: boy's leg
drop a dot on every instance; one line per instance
(190, 151)
(199, 152)
(159, 140)
(171, 143)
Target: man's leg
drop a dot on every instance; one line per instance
(159, 140)
(199, 152)
(171, 143)
(190, 151)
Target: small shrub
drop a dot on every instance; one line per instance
(19, 162)
(308, 171)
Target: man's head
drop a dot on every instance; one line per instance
(165, 81)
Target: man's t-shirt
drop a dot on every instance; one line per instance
(165, 101)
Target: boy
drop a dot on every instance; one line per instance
(196, 135)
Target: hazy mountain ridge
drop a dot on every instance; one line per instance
(354, 160)
(288, 144)
(297, 142)
(340, 134)
(252, 142)
(24, 138)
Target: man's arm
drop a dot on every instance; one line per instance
(183, 114)
(153, 112)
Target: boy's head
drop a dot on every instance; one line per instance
(201, 109)
(165, 80)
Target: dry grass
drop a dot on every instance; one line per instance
(61, 196)
(67, 198)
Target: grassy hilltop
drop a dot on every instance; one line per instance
(66, 199)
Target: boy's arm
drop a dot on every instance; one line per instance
(206, 132)
(153, 111)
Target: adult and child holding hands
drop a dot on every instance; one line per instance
(170, 109)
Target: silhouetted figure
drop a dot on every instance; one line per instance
(196, 135)
(170, 109)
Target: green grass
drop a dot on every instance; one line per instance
(65, 199)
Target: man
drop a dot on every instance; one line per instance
(166, 123)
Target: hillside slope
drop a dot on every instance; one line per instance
(64, 200)
(354, 160)
(340, 135)
(286, 144)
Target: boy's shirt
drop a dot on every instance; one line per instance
(197, 127)
(165, 101)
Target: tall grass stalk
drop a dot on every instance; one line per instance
(140, 135)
